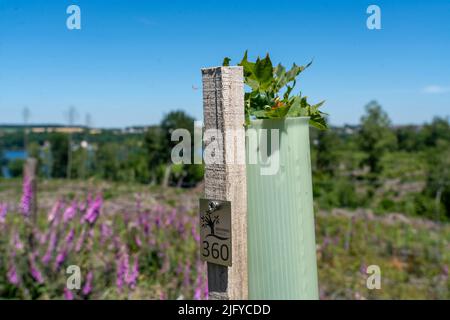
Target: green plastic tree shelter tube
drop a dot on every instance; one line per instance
(281, 239)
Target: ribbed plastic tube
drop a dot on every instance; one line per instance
(281, 239)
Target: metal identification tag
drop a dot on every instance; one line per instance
(215, 231)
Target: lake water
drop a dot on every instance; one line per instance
(12, 155)
(15, 154)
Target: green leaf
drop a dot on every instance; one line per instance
(318, 121)
(263, 72)
(252, 83)
(299, 107)
(295, 71)
(266, 82)
(317, 106)
(248, 66)
(279, 70)
(288, 91)
(226, 62)
(280, 112)
(260, 114)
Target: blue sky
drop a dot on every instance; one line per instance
(133, 61)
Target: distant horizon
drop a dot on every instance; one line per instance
(56, 124)
(131, 62)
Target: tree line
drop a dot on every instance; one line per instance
(373, 164)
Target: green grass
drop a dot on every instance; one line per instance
(413, 257)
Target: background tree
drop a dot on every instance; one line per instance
(15, 167)
(409, 138)
(437, 130)
(375, 136)
(327, 158)
(2, 159)
(189, 173)
(26, 118)
(107, 161)
(59, 145)
(172, 121)
(438, 177)
(71, 116)
(155, 153)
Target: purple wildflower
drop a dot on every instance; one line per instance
(158, 221)
(80, 241)
(205, 291)
(60, 258)
(105, 232)
(326, 241)
(35, 273)
(83, 206)
(47, 257)
(122, 270)
(116, 243)
(152, 242)
(145, 226)
(119, 277)
(181, 228)
(138, 202)
(27, 195)
(17, 242)
(70, 212)
(132, 276)
(54, 212)
(63, 250)
(51, 247)
(198, 293)
(13, 278)
(90, 240)
(445, 270)
(201, 290)
(42, 237)
(68, 295)
(195, 234)
(93, 211)
(69, 238)
(88, 285)
(138, 241)
(3, 212)
(179, 269)
(363, 268)
(171, 218)
(187, 274)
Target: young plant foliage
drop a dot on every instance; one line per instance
(271, 95)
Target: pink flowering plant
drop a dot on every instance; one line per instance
(123, 252)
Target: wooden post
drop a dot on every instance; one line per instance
(223, 107)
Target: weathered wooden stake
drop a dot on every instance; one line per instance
(223, 106)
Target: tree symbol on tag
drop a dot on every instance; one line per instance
(210, 221)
